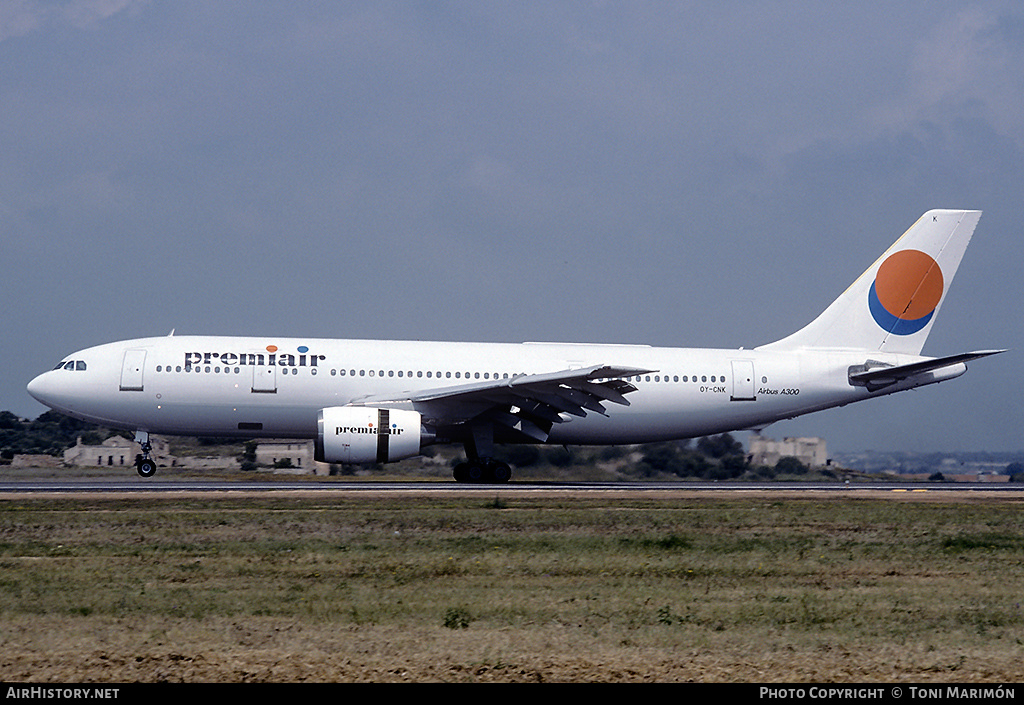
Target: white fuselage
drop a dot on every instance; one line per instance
(272, 387)
(363, 401)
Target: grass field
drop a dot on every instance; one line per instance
(509, 586)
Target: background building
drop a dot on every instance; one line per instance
(767, 451)
(289, 456)
(116, 451)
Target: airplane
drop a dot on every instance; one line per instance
(380, 401)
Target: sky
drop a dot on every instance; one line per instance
(669, 173)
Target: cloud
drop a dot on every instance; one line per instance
(21, 17)
(87, 14)
(968, 63)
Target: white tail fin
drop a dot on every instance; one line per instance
(892, 306)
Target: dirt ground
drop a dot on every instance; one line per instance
(289, 652)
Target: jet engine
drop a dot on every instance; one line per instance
(362, 434)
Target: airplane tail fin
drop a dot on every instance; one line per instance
(891, 307)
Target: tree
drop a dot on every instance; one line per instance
(661, 457)
(735, 464)
(521, 456)
(248, 457)
(559, 457)
(51, 433)
(789, 465)
(720, 446)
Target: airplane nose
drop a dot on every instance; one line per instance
(41, 388)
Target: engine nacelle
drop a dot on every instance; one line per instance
(363, 434)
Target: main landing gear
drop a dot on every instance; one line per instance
(483, 471)
(480, 466)
(145, 465)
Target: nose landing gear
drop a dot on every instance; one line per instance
(144, 464)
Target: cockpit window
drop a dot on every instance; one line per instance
(72, 365)
(79, 365)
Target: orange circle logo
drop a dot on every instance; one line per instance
(907, 289)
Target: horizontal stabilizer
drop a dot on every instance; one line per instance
(874, 377)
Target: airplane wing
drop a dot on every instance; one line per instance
(526, 404)
(875, 377)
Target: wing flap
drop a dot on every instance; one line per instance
(517, 423)
(528, 404)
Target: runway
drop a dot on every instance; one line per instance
(140, 486)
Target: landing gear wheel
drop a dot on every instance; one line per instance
(500, 473)
(482, 471)
(146, 467)
(474, 472)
